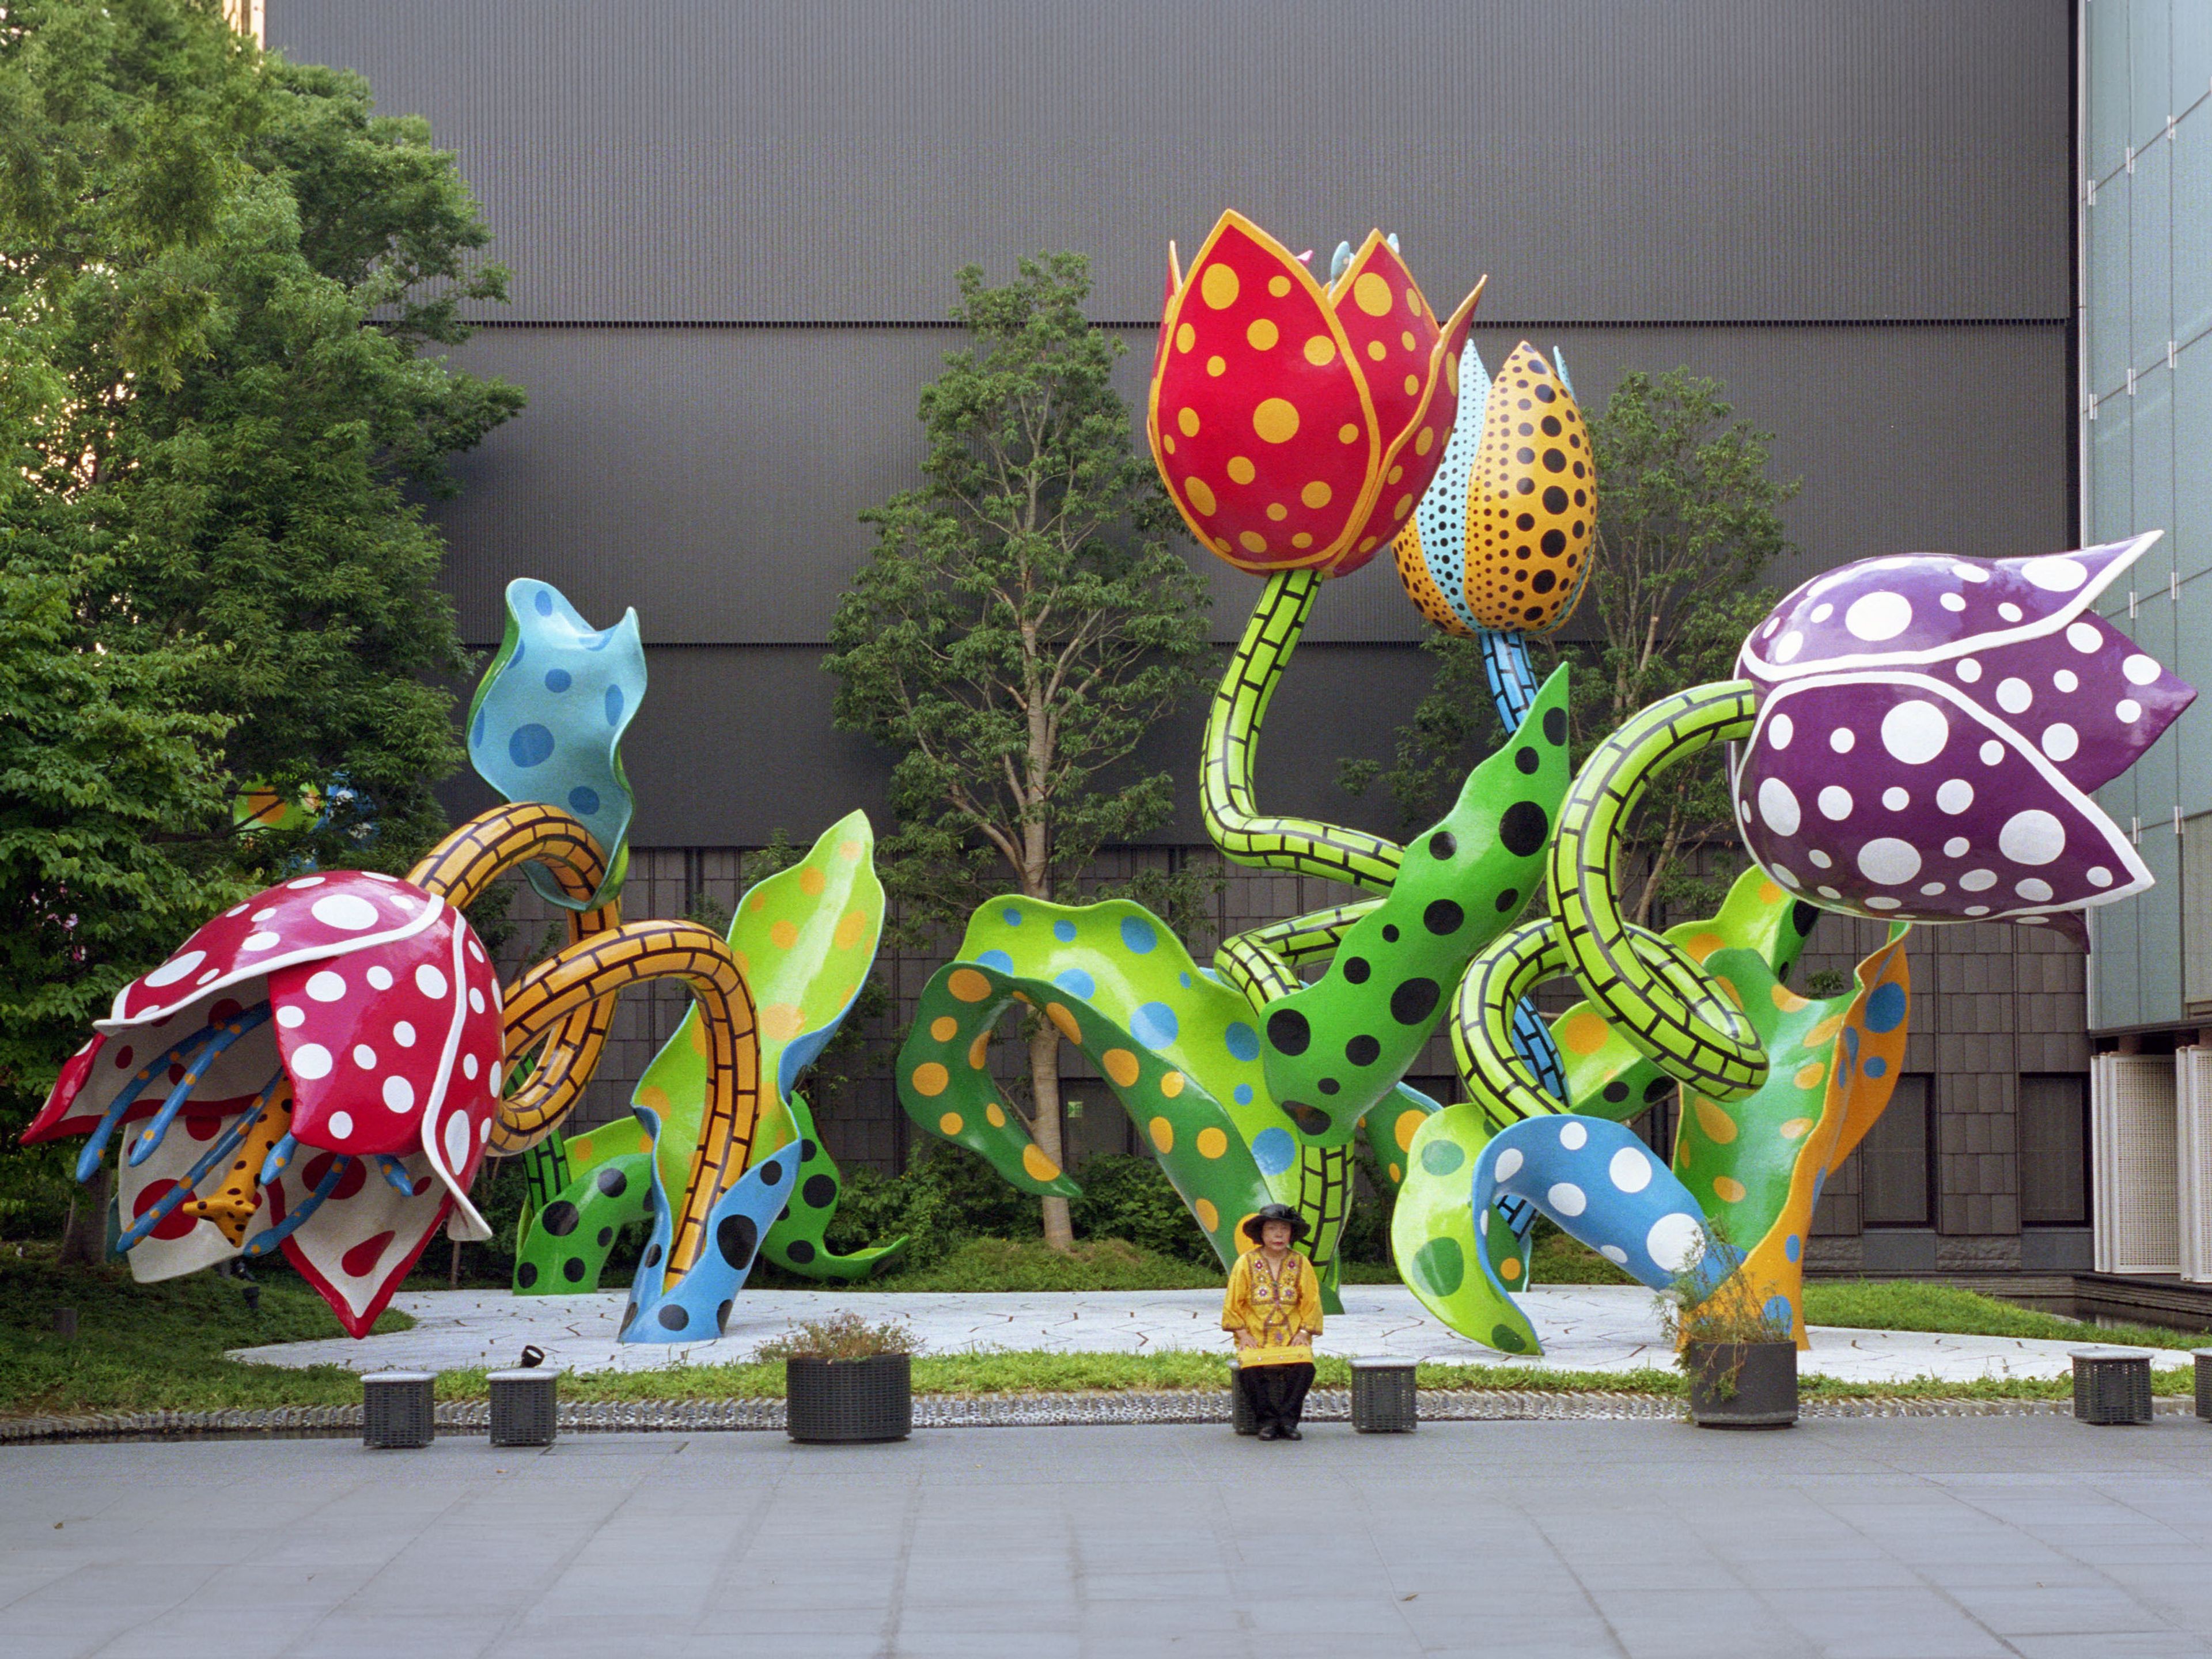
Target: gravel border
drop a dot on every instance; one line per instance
(943, 1411)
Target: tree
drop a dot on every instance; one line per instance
(1687, 528)
(1022, 624)
(217, 271)
(226, 265)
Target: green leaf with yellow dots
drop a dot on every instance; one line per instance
(1757, 1164)
(1180, 1050)
(1390, 1128)
(805, 939)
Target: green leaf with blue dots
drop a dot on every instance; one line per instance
(547, 721)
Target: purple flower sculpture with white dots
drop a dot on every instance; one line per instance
(1930, 729)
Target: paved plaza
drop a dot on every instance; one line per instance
(2033, 1537)
(1598, 1328)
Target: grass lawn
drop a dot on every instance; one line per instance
(145, 1347)
(142, 1347)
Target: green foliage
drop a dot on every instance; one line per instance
(1899, 1304)
(217, 434)
(1024, 622)
(1687, 529)
(947, 1195)
(1130, 1198)
(109, 805)
(839, 1336)
(983, 1265)
(141, 1347)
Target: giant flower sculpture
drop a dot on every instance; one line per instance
(1296, 425)
(1502, 540)
(1930, 729)
(323, 1068)
(333, 1025)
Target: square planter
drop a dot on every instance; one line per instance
(2112, 1386)
(1742, 1385)
(525, 1405)
(398, 1410)
(1384, 1397)
(832, 1400)
(2203, 1358)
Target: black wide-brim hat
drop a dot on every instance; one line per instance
(1275, 1212)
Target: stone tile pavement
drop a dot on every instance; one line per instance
(1602, 1328)
(2030, 1538)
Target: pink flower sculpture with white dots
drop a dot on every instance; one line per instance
(377, 1004)
(1929, 728)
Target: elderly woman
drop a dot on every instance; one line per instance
(1274, 1310)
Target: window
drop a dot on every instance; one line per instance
(1894, 1160)
(2054, 1149)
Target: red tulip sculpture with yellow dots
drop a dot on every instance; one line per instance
(1296, 425)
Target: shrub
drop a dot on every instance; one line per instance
(1131, 1197)
(840, 1336)
(948, 1193)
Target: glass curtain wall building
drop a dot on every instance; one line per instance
(2145, 419)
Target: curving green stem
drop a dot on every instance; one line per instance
(1324, 1201)
(1233, 736)
(1697, 1037)
(1499, 1076)
(1499, 1080)
(1259, 962)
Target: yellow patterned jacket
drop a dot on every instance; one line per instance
(1276, 1306)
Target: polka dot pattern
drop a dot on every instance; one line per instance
(1431, 550)
(1175, 1046)
(1954, 812)
(804, 937)
(2015, 637)
(1531, 500)
(1603, 1186)
(1280, 411)
(548, 720)
(1334, 1049)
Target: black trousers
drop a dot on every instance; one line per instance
(1277, 1394)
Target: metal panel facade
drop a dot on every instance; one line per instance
(715, 478)
(1608, 159)
(734, 227)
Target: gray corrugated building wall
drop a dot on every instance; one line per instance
(733, 229)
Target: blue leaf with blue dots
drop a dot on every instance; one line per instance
(547, 722)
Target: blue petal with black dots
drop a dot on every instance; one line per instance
(553, 733)
(697, 1306)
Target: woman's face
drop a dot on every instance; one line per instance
(1275, 1235)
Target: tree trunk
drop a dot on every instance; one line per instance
(84, 1241)
(1044, 1128)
